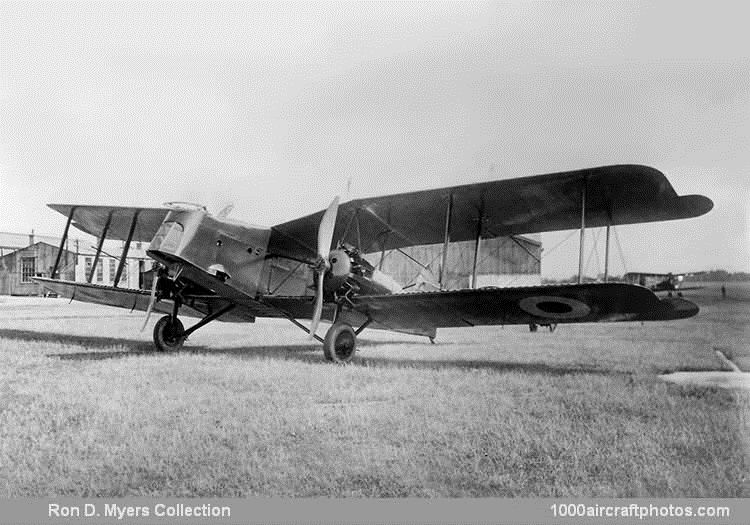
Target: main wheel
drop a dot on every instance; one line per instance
(340, 343)
(166, 334)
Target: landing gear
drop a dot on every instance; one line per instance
(169, 334)
(340, 343)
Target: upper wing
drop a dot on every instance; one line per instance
(623, 194)
(116, 219)
(578, 303)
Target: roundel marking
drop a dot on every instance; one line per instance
(552, 307)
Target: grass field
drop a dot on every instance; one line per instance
(87, 409)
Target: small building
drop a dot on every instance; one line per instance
(18, 268)
(25, 256)
(106, 270)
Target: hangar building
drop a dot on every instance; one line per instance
(25, 256)
(502, 261)
(18, 267)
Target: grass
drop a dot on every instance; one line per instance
(86, 409)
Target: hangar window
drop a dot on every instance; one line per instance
(28, 269)
(99, 271)
(88, 262)
(112, 269)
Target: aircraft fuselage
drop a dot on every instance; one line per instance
(217, 253)
(230, 252)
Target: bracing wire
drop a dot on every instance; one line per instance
(594, 240)
(596, 253)
(547, 252)
(619, 249)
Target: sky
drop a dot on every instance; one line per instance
(275, 107)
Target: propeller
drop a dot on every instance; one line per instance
(152, 300)
(322, 265)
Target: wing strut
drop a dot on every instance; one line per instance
(62, 242)
(606, 257)
(583, 230)
(124, 258)
(477, 245)
(446, 241)
(99, 246)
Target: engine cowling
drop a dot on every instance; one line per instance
(350, 271)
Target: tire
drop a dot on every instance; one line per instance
(165, 337)
(340, 343)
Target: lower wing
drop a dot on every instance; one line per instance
(194, 306)
(422, 313)
(580, 303)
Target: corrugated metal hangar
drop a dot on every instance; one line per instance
(501, 261)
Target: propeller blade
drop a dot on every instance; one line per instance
(318, 307)
(325, 230)
(325, 238)
(151, 300)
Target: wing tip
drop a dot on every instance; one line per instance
(699, 203)
(671, 309)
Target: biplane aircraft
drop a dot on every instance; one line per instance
(213, 267)
(661, 282)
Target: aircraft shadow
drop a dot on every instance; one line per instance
(308, 353)
(535, 367)
(145, 348)
(85, 341)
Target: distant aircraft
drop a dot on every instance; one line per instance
(533, 327)
(214, 267)
(661, 282)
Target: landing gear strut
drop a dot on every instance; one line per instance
(170, 334)
(340, 343)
